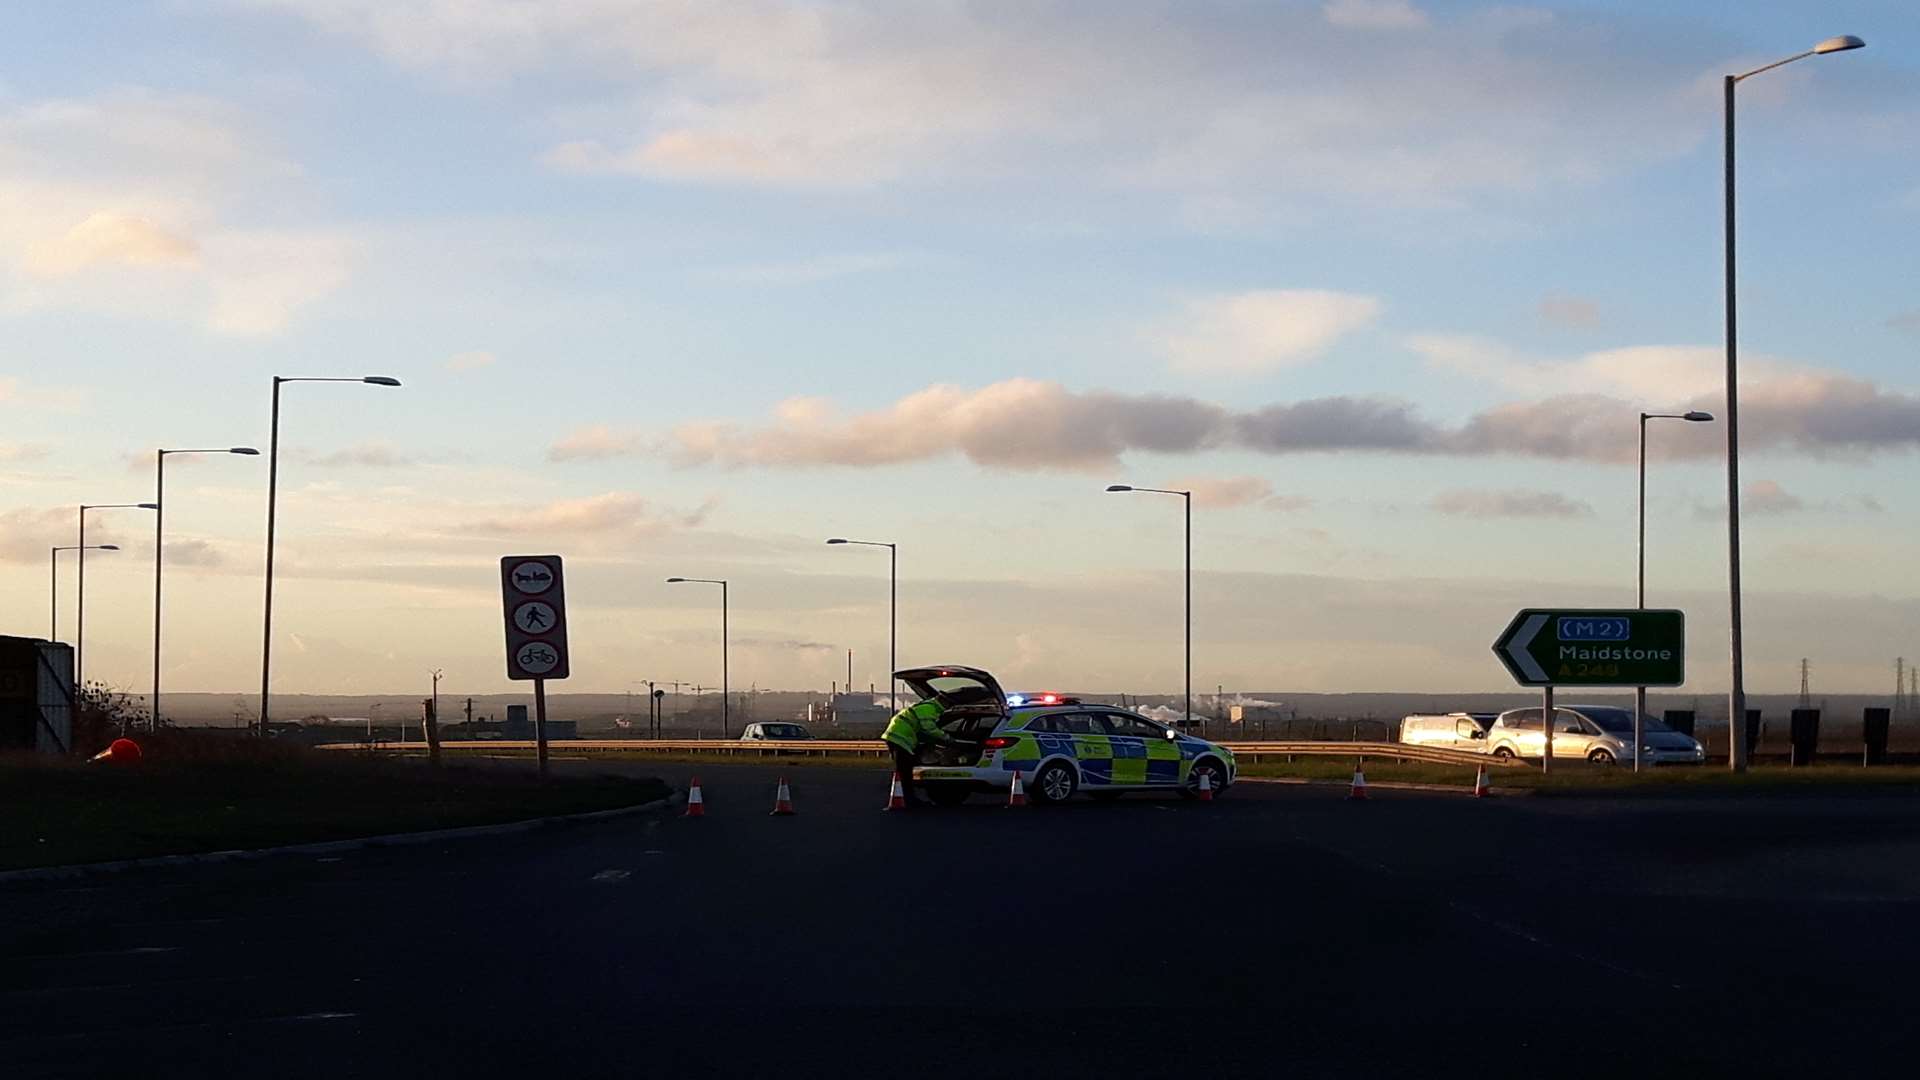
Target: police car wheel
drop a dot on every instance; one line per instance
(1191, 790)
(1054, 783)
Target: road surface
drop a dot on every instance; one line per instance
(1280, 928)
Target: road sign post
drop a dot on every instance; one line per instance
(534, 598)
(1549, 647)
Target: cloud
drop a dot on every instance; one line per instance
(1031, 424)
(1514, 503)
(13, 453)
(1225, 492)
(595, 443)
(1265, 330)
(612, 512)
(1768, 497)
(117, 203)
(110, 237)
(806, 271)
(1374, 14)
(1256, 102)
(194, 553)
(1573, 312)
(27, 532)
(470, 361)
(1907, 322)
(366, 455)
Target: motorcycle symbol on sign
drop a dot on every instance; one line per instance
(532, 578)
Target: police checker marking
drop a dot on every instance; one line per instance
(1544, 647)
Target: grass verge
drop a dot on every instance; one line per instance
(59, 811)
(1567, 778)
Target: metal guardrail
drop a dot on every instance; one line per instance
(1432, 755)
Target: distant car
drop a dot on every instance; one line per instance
(774, 732)
(1059, 748)
(1602, 734)
(1455, 730)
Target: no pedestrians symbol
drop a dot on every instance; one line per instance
(534, 598)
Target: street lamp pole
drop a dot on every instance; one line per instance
(1187, 715)
(273, 497)
(80, 600)
(1640, 555)
(159, 515)
(893, 612)
(53, 584)
(726, 703)
(1737, 749)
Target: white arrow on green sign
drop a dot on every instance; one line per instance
(1595, 647)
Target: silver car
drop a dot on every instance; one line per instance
(1602, 734)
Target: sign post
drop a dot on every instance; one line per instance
(1549, 647)
(534, 597)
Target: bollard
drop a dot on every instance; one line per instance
(1874, 724)
(1755, 729)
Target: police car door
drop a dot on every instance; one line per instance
(1133, 741)
(1092, 748)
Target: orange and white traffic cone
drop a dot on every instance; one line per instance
(696, 806)
(782, 800)
(1480, 788)
(897, 798)
(1206, 785)
(1359, 788)
(1017, 794)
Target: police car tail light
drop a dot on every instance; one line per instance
(998, 742)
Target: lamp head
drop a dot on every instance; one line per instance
(109, 547)
(1698, 417)
(675, 580)
(381, 380)
(148, 506)
(1839, 44)
(838, 540)
(247, 450)
(1119, 487)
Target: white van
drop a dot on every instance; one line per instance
(1455, 730)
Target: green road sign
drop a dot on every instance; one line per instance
(1594, 647)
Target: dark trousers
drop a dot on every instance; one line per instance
(903, 762)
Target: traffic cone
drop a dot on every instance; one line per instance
(1206, 786)
(696, 806)
(1480, 788)
(782, 800)
(1359, 788)
(1017, 794)
(897, 798)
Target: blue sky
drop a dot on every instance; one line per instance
(684, 288)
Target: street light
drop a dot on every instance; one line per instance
(80, 600)
(725, 704)
(273, 493)
(53, 584)
(159, 514)
(893, 610)
(1640, 578)
(1187, 716)
(1737, 691)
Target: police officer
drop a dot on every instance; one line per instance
(906, 732)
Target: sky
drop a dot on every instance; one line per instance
(684, 288)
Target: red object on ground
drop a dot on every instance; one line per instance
(782, 800)
(696, 804)
(119, 750)
(896, 798)
(1016, 791)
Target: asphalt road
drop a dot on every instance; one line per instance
(1280, 928)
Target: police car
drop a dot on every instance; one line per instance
(1058, 744)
